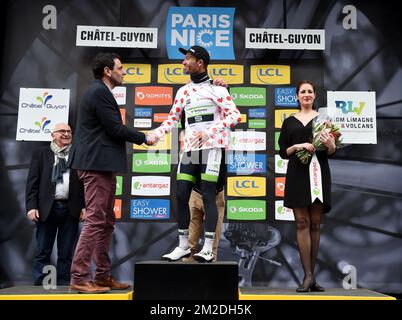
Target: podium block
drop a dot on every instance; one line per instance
(162, 280)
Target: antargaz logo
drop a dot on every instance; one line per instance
(209, 27)
(43, 123)
(246, 210)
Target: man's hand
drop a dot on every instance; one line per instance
(198, 139)
(33, 215)
(83, 214)
(151, 139)
(220, 82)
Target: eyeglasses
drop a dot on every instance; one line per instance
(62, 131)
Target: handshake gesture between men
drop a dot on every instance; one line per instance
(151, 139)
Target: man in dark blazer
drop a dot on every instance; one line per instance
(54, 200)
(98, 152)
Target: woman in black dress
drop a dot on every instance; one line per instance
(296, 134)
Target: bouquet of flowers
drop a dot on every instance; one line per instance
(318, 127)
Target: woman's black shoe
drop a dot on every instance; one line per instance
(316, 287)
(305, 288)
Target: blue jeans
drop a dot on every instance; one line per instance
(58, 222)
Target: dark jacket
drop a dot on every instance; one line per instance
(40, 189)
(99, 140)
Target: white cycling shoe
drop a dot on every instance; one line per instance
(177, 254)
(204, 256)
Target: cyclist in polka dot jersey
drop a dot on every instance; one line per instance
(210, 114)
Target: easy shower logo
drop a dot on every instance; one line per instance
(209, 27)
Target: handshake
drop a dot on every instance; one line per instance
(151, 139)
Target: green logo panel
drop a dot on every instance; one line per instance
(151, 162)
(257, 123)
(119, 185)
(246, 210)
(249, 96)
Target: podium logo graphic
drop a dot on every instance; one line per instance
(172, 73)
(137, 73)
(256, 113)
(248, 141)
(231, 73)
(348, 107)
(246, 210)
(142, 112)
(281, 165)
(280, 186)
(160, 117)
(257, 123)
(150, 186)
(44, 99)
(285, 97)
(246, 186)
(270, 74)
(281, 115)
(151, 162)
(119, 94)
(151, 209)
(163, 144)
(43, 124)
(283, 213)
(246, 164)
(117, 208)
(209, 27)
(119, 185)
(249, 96)
(153, 96)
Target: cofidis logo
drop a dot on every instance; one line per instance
(137, 73)
(172, 73)
(246, 186)
(270, 74)
(246, 163)
(151, 209)
(209, 27)
(230, 73)
(249, 96)
(117, 208)
(246, 210)
(280, 186)
(150, 186)
(153, 96)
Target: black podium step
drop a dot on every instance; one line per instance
(161, 280)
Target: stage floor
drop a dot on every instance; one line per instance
(256, 293)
